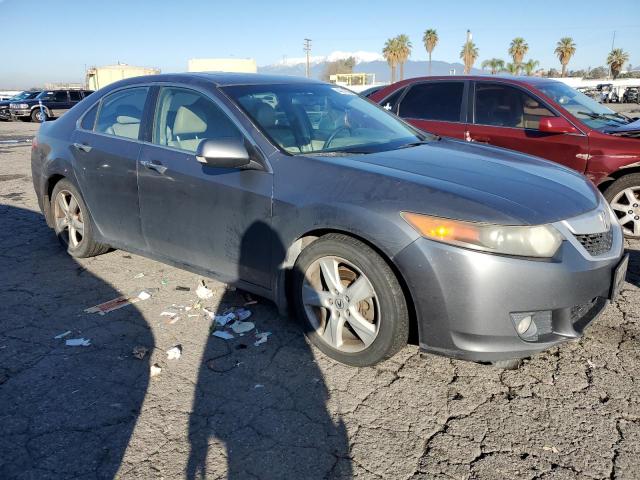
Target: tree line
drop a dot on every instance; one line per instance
(397, 50)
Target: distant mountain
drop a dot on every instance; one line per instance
(379, 67)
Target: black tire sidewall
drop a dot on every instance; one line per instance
(394, 325)
(88, 242)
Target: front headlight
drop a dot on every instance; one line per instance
(525, 241)
(23, 106)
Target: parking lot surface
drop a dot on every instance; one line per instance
(280, 409)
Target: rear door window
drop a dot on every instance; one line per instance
(439, 101)
(121, 113)
(184, 118)
(74, 95)
(61, 96)
(506, 106)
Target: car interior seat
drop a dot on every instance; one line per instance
(127, 122)
(198, 121)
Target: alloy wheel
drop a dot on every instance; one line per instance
(341, 304)
(69, 220)
(626, 205)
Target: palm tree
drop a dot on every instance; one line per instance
(495, 64)
(518, 49)
(511, 68)
(565, 49)
(430, 40)
(404, 51)
(390, 54)
(530, 66)
(468, 54)
(616, 60)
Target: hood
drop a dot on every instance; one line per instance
(474, 182)
(632, 129)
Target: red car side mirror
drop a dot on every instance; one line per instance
(556, 125)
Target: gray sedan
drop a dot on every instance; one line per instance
(370, 231)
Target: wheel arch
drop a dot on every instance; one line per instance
(283, 287)
(49, 185)
(613, 176)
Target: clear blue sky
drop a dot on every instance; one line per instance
(54, 41)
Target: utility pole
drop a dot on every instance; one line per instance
(307, 49)
(613, 42)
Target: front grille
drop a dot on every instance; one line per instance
(596, 243)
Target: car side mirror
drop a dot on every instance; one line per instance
(229, 152)
(556, 125)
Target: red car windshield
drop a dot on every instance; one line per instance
(579, 105)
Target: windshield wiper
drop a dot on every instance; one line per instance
(606, 116)
(414, 144)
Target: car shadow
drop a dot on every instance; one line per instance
(263, 408)
(65, 412)
(633, 270)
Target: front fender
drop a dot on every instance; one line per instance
(388, 233)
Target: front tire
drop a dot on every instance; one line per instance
(349, 301)
(624, 197)
(38, 116)
(72, 222)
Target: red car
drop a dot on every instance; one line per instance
(538, 116)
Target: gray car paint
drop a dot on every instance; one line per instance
(196, 216)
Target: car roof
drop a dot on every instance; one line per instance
(223, 79)
(517, 80)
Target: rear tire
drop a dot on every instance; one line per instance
(624, 197)
(72, 222)
(371, 320)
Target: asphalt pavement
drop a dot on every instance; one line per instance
(278, 409)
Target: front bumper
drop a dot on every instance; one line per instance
(464, 298)
(20, 113)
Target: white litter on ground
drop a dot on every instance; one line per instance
(62, 335)
(222, 320)
(174, 353)
(203, 292)
(242, 327)
(262, 338)
(223, 335)
(144, 295)
(78, 342)
(155, 370)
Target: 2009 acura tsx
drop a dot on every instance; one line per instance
(312, 196)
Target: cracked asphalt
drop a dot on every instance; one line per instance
(230, 409)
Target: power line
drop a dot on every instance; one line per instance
(307, 50)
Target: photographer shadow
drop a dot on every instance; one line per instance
(261, 409)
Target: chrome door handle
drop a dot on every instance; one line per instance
(83, 146)
(153, 166)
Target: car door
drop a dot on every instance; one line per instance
(209, 217)
(106, 147)
(74, 97)
(436, 106)
(508, 116)
(58, 103)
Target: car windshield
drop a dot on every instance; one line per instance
(586, 109)
(322, 119)
(24, 96)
